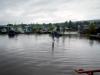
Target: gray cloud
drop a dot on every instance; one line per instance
(29, 11)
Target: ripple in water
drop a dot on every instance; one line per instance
(40, 55)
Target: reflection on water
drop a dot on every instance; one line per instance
(53, 46)
(44, 55)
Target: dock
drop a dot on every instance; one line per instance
(94, 36)
(69, 33)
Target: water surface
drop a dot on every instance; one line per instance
(40, 55)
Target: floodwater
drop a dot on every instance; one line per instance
(41, 55)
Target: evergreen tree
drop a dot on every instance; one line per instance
(92, 28)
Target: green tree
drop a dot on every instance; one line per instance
(92, 28)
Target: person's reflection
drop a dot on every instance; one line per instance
(11, 36)
(55, 39)
(63, 41)
(53, 46)
(69, 35)
(91, 42)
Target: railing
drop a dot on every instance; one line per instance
(88, 72)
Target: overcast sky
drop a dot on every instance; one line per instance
(45, 11)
